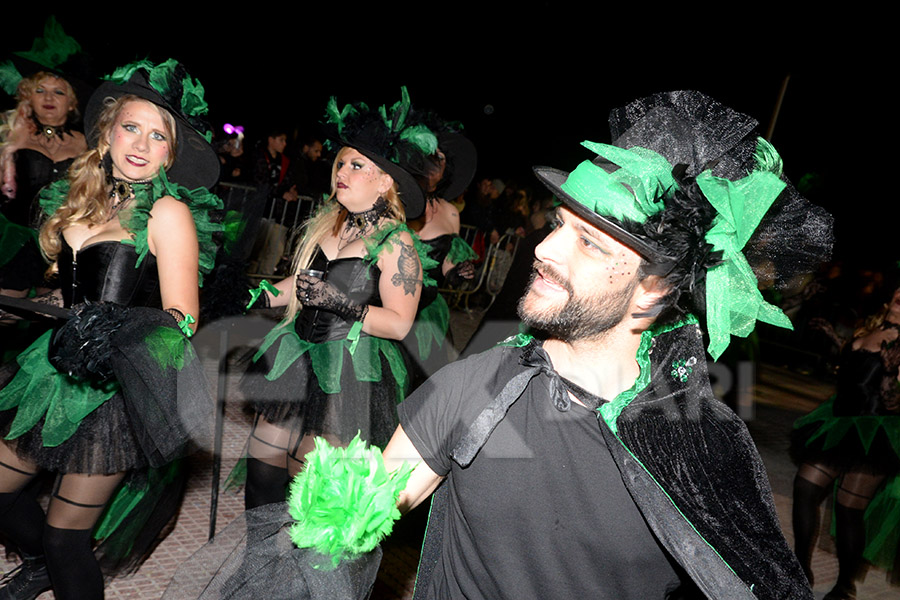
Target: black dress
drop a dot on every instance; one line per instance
(21, 263)
(320, 376)
(855, 430)
(139, 418)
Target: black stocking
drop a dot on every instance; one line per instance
(267, 474)
(21, 517)
(77, 502)
(811, 486)
(74, 571)
(853, 496)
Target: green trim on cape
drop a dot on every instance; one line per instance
(609, 413)
(611, 410)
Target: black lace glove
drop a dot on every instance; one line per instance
(460, 273)
(313, 292)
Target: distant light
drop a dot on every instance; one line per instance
(229, 128)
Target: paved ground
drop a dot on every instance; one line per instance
(781, 396)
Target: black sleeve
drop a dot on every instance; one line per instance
(438, 414)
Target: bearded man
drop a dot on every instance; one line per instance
(593, 461)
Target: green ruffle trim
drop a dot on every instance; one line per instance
(383, 239)
(836, 428)
(460, 251)
(53, 195)
(12, 238)
(234, 225)
(610, 411)
(432, 326)
(134, 219)
(127, 512)
(883, 526)
(40, 391)
(327, 358)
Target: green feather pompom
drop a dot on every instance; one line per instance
(344, 502)
(767, 158)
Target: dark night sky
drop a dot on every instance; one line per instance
(549, 79)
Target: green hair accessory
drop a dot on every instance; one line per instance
(633, 192)
(344, 502)
(264, 286)
(733, 300)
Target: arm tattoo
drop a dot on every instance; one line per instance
(408, 267)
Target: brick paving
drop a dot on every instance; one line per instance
(781, 397)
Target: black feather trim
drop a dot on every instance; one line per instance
(82, 346)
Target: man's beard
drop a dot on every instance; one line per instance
(581, 317)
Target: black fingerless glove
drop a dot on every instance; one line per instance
(313, 292)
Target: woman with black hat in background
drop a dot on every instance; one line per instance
(449, 171)
(38, 142)
(101, 399)
(333, 367)
(850, 447)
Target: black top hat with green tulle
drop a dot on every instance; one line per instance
(689, 186)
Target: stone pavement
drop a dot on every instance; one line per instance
(781, 396)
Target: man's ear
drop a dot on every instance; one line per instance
(648, 293)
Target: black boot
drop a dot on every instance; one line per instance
(26, 581)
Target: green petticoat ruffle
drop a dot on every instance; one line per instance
(327, 358)
(432, 325)
(883, 526)
(836, 428)
(134, 219)
(460, 251)
(383, 239)
(40, 391)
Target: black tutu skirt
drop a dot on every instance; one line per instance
(867, 443)
(254, 558)
(295, 400)
(103, 444)
(158, 410)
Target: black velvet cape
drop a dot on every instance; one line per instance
(688, 462)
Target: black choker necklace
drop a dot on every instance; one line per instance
(360, 224)
(885, 325)
(125, 189)
(48, 131)
(364, 219)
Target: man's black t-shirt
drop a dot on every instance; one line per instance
(542, 511)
